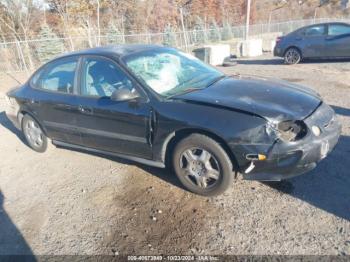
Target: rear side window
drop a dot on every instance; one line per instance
(315, 30)
(338, 29)
(57, 76)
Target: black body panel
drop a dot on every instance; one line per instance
(120, 127)
(234, 111)
(266, 98)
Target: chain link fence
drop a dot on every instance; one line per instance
(25, 56)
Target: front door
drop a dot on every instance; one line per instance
(338, 40)
(313, 41)
(121, 127)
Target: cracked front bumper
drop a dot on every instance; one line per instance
(285, 160)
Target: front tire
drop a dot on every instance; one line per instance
(34, 134)
(202, 165)
(292, 56)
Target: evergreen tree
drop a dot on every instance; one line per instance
(214, 32)
(169, 38)
(114, 36)
(50, 46)
(200, 34)
(227, 33)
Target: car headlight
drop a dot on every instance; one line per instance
(316, 130)
(287, 130)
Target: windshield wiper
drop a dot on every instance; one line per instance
(186, 91)
(216, 80)
(192, 81)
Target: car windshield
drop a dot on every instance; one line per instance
(170, 72)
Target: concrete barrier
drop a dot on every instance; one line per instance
(269, 41)
(235, 44)
(213, 54)
(251, 47)
(218, 53)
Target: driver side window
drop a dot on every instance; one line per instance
(101, 77)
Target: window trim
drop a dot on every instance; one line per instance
(44, 68)
(345, 25)
(325, 32)
(80, 79)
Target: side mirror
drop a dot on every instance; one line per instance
(124, 94)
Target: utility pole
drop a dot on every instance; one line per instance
(98, 24)
(183, 28)
(181, 9)
(248, 20)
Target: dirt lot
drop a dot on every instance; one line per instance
(68, 202)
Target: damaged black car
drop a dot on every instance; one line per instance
(162, 107)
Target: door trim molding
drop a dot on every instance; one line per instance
(128, 157)
(101, 133)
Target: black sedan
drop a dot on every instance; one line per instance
(330, 40)
(160, 106)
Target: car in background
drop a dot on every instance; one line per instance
(160, 106)
(328, 40)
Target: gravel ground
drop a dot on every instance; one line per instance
(69, 202)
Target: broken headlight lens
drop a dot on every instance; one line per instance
(287, 130)
(316, 130)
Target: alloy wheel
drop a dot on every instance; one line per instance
(33, 133)
(292, 56)
(200, 167)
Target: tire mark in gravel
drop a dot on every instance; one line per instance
(153, 216)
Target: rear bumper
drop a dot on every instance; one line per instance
(12, 110)
(277, 51)
(286, 160)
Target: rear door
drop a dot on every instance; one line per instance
(53, 99)
(338, 40)
(313, 41)
(120, 127)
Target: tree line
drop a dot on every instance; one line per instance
(25, 19)
(66, 25)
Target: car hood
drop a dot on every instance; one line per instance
(274, 100)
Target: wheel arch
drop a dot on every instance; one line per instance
(24, 112)
(293, 46)
(177, 136)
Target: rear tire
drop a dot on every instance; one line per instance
(202, 165)
(292, 56)
(34, 134)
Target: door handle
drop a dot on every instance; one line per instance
(86, 110)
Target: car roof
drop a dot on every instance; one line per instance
(320, 24)
(115, 50)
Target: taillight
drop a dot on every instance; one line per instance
(279, 39)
